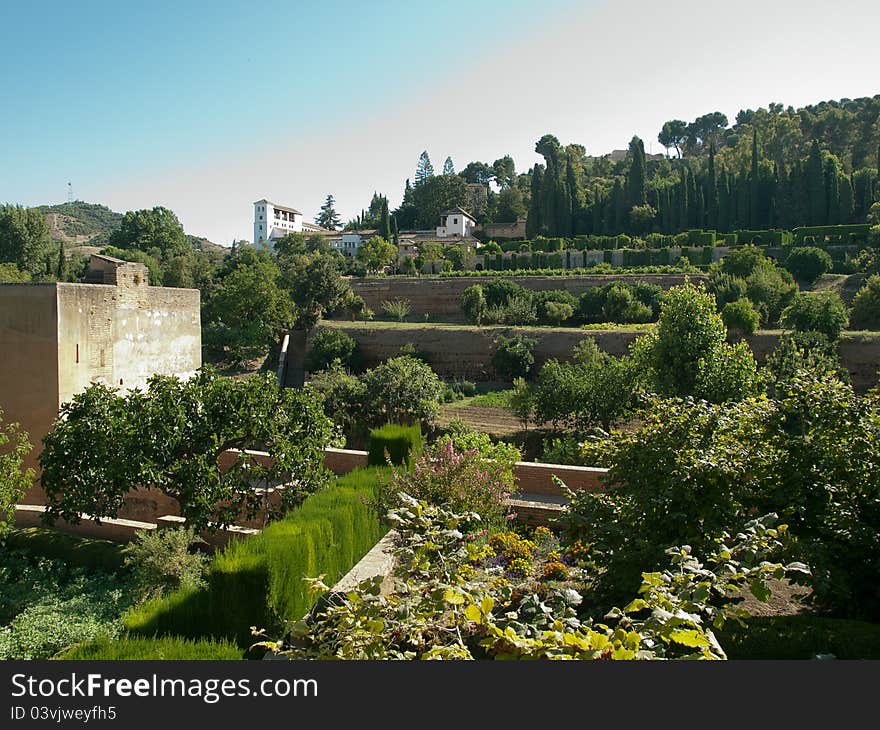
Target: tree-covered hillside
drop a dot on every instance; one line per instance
(82, 219)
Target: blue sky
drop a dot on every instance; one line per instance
(206, 107)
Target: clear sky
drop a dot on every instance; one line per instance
(205, 107)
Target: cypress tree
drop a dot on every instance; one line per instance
(754, 204)
(683, 200)
(701, 207)
(394, 231)
(847, 205)
(384, 220)
(816, 194)
(637, 178)
(831, 186)
(692, 199)
(724, 203)
(618, 207)
(597, 211)
(533, 219)
(713, 191)
(742, 201)
(61, 268)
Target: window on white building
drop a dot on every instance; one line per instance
(454, 221)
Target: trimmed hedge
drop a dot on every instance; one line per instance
(168, 648)
(258, 581)
(403, 443)
(87, 552)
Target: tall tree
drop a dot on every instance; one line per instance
(25, 239)
(448, 167)
(712, 187)
(534, 221)
(673, 134)
(328, 217)
(637, 178)
(754, 213)
(146, 230)
(816, 194)
(424, 169)
(504, 171)
(384, 220)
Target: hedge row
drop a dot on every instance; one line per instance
(812, 236)
(402, 444)
(259, 581)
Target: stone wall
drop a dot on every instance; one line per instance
(465, 352)
(438, 296)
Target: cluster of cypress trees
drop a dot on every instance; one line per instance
(814, 191)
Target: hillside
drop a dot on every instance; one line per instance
(87, 227)
(80, 223)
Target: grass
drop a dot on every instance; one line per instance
(801, 637)
(168, 648)
(493, 399)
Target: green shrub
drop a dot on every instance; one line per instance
(399, 444)
(401, 390)
(473, 304)
(396, 309)
(822, 311)
(168, 648)
(514, 356)
(332, 344)
(808, 263)
(258, 581)
(165, 560)
(866, 305)
(14, 480)
(741, 316)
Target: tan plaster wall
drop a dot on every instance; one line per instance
(28, 362)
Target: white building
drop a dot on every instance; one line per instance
(349, 242)
(456, 222)
(273, 221)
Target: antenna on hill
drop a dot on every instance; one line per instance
(69, 192)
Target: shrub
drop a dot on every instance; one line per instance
(821, 311)
(401, 390)
(473, 304)
(557, 312)
(514, 356)
(397, 444)
(14, 481)
(808, 263)
(343, 397)
(165, 560)
(521, 310)
(168, 648)
(803, 351)
(866, 305)
(741, 316)
(459, 480)
(396, 309)
(332, 344)
(86, 552)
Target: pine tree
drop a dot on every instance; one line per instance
(328, 217)
(424, 169)
(448, 167)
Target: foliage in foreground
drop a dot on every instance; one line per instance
(690, 469)
(171, 436)
(47, 605)
(14, 481)
(442, 609)
(164, 560)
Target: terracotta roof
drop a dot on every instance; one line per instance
(280, 207)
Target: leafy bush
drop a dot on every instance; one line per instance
(396, 309)
(822, 311)
(14, 481)
(557, 312)
(741, 316)
(808, 263)
(514, 356)
(474, 305)
(803, 351)
(168, 648)
(258, 581)
(688, 355)
(332, 344)
(165, 560)
(343, 396)
(401, 390)
(521, 311)
(397, 444)
(866, 305)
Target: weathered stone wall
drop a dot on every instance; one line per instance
(465, 352)
(438, 296)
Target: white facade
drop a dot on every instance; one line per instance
(456, 222)
(273, 221)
